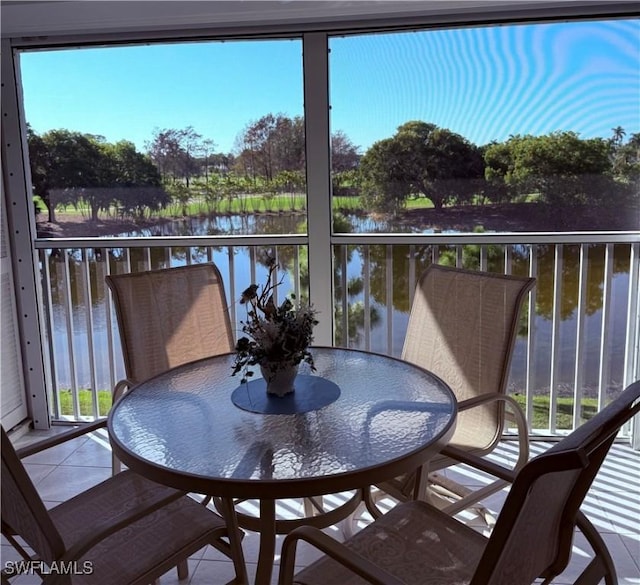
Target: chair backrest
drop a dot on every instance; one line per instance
(534, 532)
(23, 512)
(169, 317)
(462, 327)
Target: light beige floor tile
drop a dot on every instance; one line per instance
(57, 455)
(613, 505)
(38, 471)
(92, 452)
(64, 482)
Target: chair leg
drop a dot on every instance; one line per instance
(116, 465)
(370, 502)
(228, 511)
(311, 507)
(183, 570)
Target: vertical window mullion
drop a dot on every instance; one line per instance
(316, 116)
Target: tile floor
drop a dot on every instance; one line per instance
(613, 505)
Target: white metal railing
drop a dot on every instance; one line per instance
(579, 334)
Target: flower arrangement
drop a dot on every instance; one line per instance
(277, 336)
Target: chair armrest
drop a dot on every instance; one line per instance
(78, 431)
(336, 550)
(520, 420)
(121, 388)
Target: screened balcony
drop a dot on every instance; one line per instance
(579, 337)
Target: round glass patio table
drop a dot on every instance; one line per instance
(181, 428)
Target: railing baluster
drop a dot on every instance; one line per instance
(412, 273)
(45, 259)
(344, 254)
(389, 297)
(604, 335)
(127, 260)
(366, 274)
(110, 321)
(88, 306)
(459, 255)
(484, 258)
(555, 336)
(508, 259)
(531, 334)
(296, 272)
(581, 310)
(233, 296)
(252, 263)
(68, 306)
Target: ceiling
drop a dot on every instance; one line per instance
(64, 17)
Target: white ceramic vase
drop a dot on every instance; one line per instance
(280, 377)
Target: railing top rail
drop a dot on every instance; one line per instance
(170, 241)
(492, 238)
(387, 238)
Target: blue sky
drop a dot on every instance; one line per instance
(484, 83)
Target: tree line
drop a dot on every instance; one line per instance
(421, 160)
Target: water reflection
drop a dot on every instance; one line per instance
(381, 271)
(233, 225)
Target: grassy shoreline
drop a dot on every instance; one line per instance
(564, 412)
(510, 217)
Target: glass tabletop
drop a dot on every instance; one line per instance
(183, 429)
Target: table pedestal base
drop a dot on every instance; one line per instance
(268, 526)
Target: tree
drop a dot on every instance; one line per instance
(345, 159)
(134, 181)
(344, 154)
(627, 163)
(175, 152)
(128, 167)
(271, 145)
(498, 172)
(206, 150)
(625, 158)
(39, 160)
(73, 160)
(618, 135)
(421, 159)
(70, 167)
(560, 167)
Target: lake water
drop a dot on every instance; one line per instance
(398, 314)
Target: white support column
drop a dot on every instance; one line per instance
(316, 105)
(22, 229)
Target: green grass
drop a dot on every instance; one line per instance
(418, 203)
(85, 398)
(198, 206)
(564, 411)
(347, 204)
